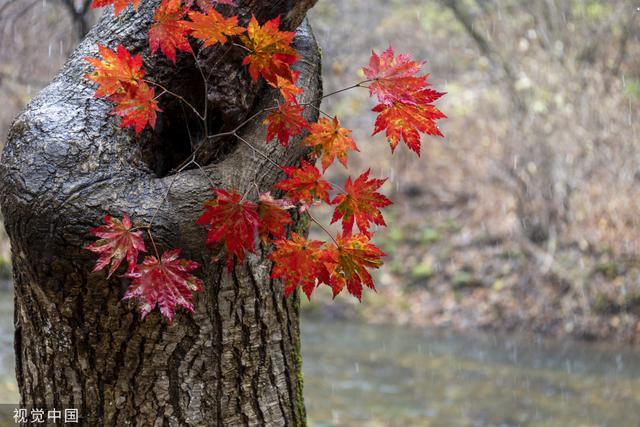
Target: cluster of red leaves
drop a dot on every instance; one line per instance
(405, 99)
(233, 222)
(307, 264)
(120, 79)
(269, 54)
(164, 282)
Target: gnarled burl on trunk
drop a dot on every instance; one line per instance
(236, 360)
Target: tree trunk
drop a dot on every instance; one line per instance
(236, 360)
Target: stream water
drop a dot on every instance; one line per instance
(366, 375)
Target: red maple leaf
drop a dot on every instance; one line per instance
(348, 263)
(271, 54)
(394, 78)
(330, 141)
(304, 184)
(233, 221)
(274, 217)
(164, 282)
(118, 5)
(169, 31)
(117, 242)
(285, 122)
(138, 109)
(212, 27)
(406, 122)
(117, 72)
(405, 108)
(297, 262)
(360, 202)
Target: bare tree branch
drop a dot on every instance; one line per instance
(466, 20)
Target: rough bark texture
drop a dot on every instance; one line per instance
(236, 361)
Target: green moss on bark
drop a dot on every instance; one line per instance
(301, 412)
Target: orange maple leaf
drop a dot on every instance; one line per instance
(330, 141)
(212, 27)
(348, 262)
(117, 72)
(297, 262)
(271, 54)
(288, 88)
(169, 31)
(137, 109)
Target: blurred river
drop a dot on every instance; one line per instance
(366, 375)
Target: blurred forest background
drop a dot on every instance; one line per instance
(525, 217)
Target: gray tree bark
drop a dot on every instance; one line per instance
(236, 360)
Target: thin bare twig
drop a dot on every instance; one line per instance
(206, 175)
(357, 85)
(175, 95)
(322, 112)
(153, 243)
(322, 227)
(257, 150)
(206, 95)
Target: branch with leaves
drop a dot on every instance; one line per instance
(232, 219)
